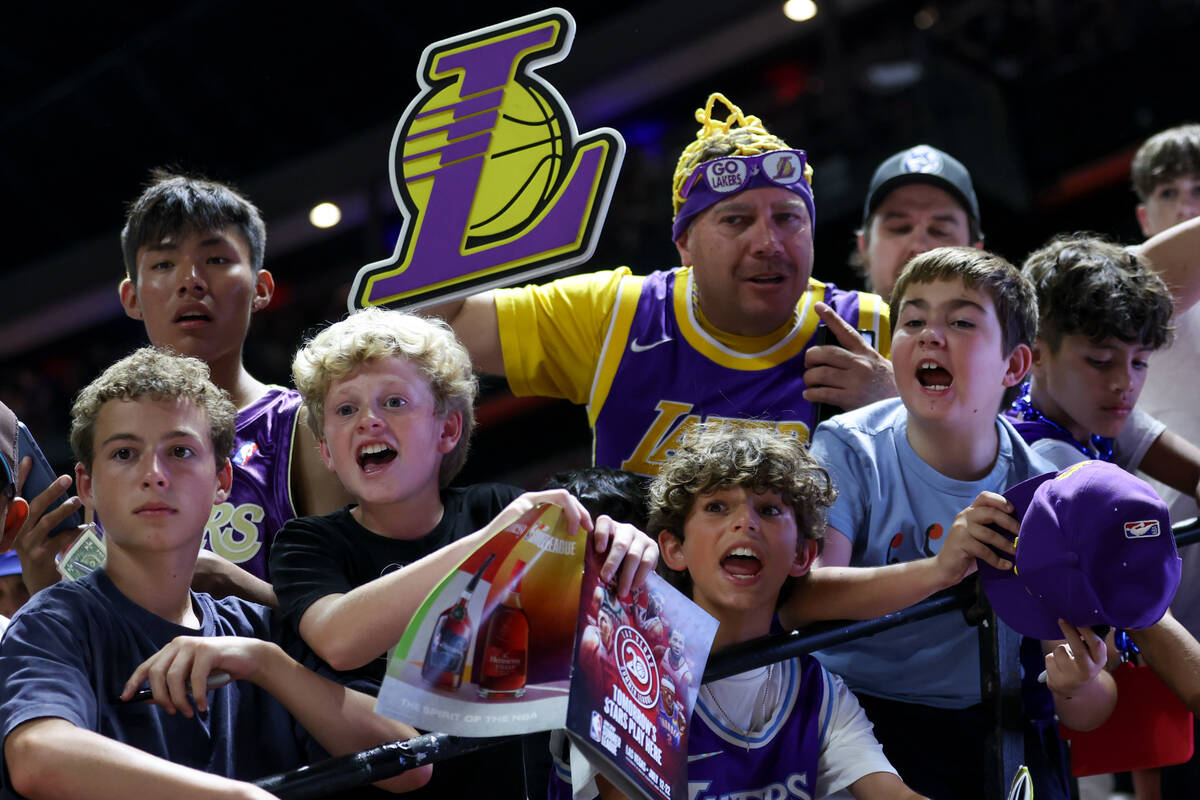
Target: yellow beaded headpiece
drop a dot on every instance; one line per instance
(717, 138)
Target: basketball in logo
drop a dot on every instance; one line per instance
(636, 666)
(521, 168)
(521, 165)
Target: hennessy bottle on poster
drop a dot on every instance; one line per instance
(447, 652)
(506, 646)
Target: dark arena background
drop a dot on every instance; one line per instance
(1044, 101)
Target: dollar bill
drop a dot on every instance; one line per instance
(84, 557)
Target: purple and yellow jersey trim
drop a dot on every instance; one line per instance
(660, 371)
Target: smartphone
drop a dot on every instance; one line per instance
(824, 336)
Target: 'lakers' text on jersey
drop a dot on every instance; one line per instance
(242, 528)
(661, 373)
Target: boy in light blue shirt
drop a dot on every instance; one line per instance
(915, 472)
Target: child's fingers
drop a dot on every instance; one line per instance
(994, 500)
(613, 537)
(1072, 637)
(176, 677)
(988, 514)
(202, 666)
(975, 544)
(137, 678)
(1084, 641)
(984, 535)
(55, 489)
(642, 566)
(156, 677)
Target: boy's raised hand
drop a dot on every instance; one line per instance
(35, 547)
(632, 552)
(189, 661)
(970, 536)
(1074, 663)
(574, 514)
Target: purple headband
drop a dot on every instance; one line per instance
(714, 180)
(1095, 548)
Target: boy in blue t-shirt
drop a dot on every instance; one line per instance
(152, 435)
(922, 473)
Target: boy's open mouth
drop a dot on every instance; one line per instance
(373, 457)
(934, 376)
(741, 562)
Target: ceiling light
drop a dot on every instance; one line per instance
(325, 215)
(799, 10)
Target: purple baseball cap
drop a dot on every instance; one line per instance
(1095, 548)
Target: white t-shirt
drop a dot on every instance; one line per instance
(1170, 395)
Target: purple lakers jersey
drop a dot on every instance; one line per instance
(661, 373)
(780, 760)
(242, 528)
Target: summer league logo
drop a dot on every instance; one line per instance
(495, 184)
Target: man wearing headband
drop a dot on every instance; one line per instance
(727, 335)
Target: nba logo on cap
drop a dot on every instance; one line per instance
(1143, 529)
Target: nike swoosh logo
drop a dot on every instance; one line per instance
(702, 756)
(638, 347)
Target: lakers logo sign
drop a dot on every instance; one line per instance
(493, 180)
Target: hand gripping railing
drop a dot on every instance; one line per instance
(999, 678)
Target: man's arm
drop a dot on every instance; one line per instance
(348, 630)
(222, 578)
(1175, 256)
(1174, 655)
(340, 719)
(51, 758)
(835, 590)
(1175, 461)
(315, 488)
(477, 326)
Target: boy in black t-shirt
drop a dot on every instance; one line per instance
(390, 397)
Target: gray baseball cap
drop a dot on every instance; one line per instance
(923, 164)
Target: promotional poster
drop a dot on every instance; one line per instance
(638, 666)
(489, 650)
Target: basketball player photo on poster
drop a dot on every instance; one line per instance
(638, 666)
(488, 652)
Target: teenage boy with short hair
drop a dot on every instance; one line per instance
(1102, 314)
(914, 473)
(740, 515)
(390, 399)
(152, 436)
(193, 251)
